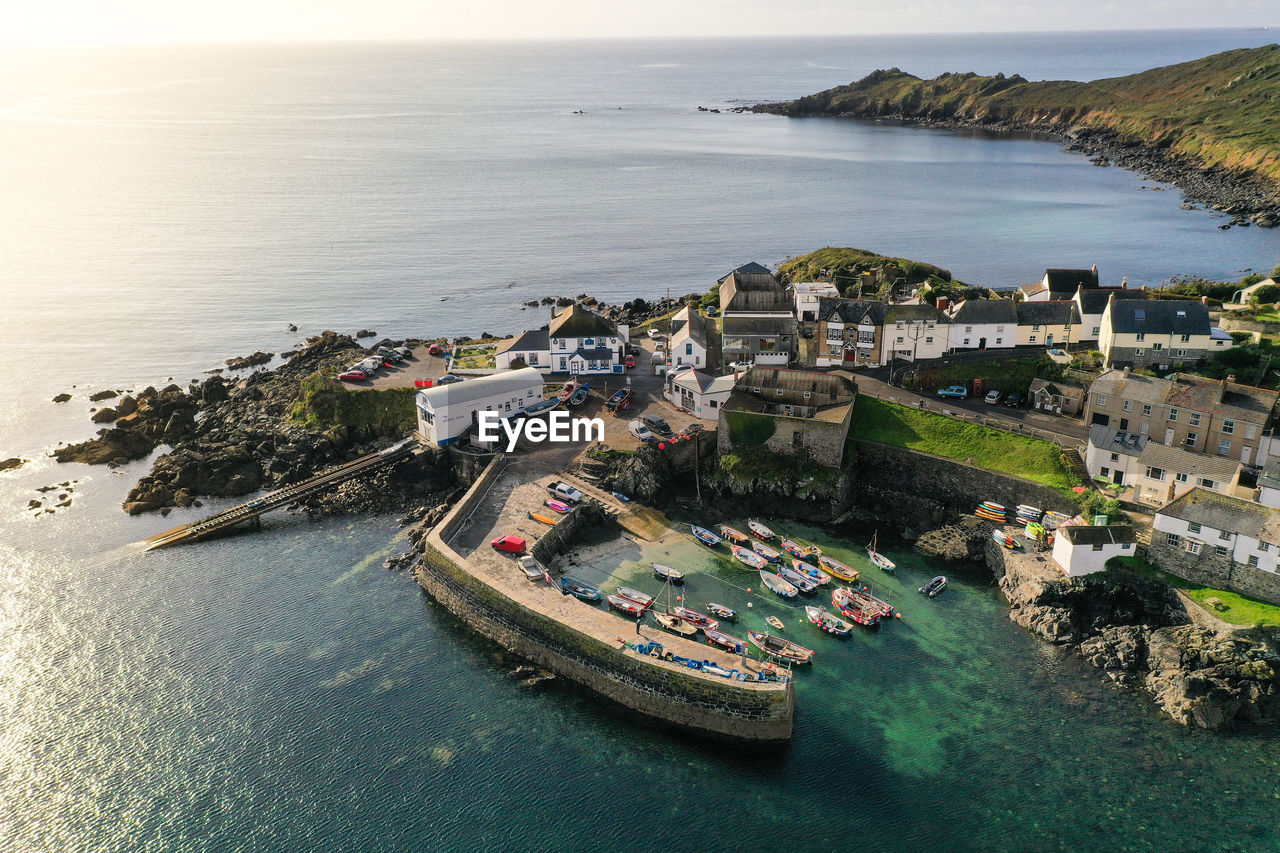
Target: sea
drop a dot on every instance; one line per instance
(163, 209)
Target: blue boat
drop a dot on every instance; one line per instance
(580, 590)
(580, 395)
(705, 536)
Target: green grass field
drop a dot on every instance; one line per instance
(1016, 455)
(1236, 609)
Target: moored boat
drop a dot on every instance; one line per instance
(775, 622)
(935, 586)
(626, 605)
(802, 582)
(705, 536)
(779, 647)
(771, 554)
(799, 549)
(828, 621)
(533, 569)
(838, 569)
(778, 585)
(760, 530)
(673, 624)
(693, 617)
(721, 612)
(636, 595)
(579, 590)
(811, 571)
(620, 400)
(724, 641)
(877, 558)
(749, 557)
(566, 391)
(667, 573)
(857, 605)
(733, 534)
(580, 395)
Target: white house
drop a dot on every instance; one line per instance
(984, 324)
(1216, 531)
(1080, 550)
(447, 411)
(1092, 302)
(1059, 284)
(531, 349)
(914, 332)
(688, 344)
(583, 342)
(699, 393)
(807, 294)
(1114, 454)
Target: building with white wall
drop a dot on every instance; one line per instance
(698, 393)
(1204, 526)
(1080, 550)
(688, 344)
(807, 294)
(447, 411)
(984, 324)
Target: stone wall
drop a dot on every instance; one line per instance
(1129, 357)
(557, 540)
(818, 441)
(1210, 569)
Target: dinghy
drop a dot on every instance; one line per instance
(721, 612)
(667, 573)
(775, 622)
(935, 586)
(778, 647)
(828, 621)
(580, 395)
(579, 590)
(724, 641)
(778, 585)
(749, 557)
(705, 536)
(674, 624)
(733, 534)
(759, 530)
(636, 595)
(877, 558)
(626, 605)
(693, 617)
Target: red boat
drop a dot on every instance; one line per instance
(861, 607)
(566, 391)
(694, 618)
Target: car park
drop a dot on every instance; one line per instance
(509, 544)
(353, 376)
(957, 391)
(657, 424)
(639, 430)
(993, 397)
(448, 379)
(1014, 400)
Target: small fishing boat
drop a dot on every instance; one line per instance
(626, 605)
(877, 558)
(620, 496)
(935, 586)
(861, 607)
(775, 622)
(771, 554)
(543, 517)
(778, 647)
(705, 536)
(828, 621)
(749, 557)
(532, 569)
(810, 571)
(620, 400)
(733, 534)
(635, 595)
(802, 582)
(724, 641)
(838, 569)
(558, 506)
(778, 585)
(673, 624)
(566, 391)
(799, 549)
(759, 530)
(579, 590)
(667, 573)
(693, 617)
(580, 395)
(719, 611)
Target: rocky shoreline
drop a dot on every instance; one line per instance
(1247, 200)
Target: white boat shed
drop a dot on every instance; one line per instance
(447, 411)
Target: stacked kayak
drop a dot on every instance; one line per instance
(1027, 514)
(992, 511)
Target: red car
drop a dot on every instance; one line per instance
(353, 376)
(434, 349)
(629, 361)
(509, 544)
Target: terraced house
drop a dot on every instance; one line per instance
(984, 324)
(1158, 333)
(1210, 416)
(1047, 324)
(757, 319)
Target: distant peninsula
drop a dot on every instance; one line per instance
(1208, 126)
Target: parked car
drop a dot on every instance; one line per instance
(993, 397)
(404, 351)
(1014, 400)
(655, 334)
(629, 361)
(639, 430)
(712, 310)
(353, 376)
(657, 424)
(694, 429)
(957, 391)
(807, 333)
(435, 349)
(565, 492)
(741, 366)
(448, 379)
(634, 349)
(370, 365)
(509, 544)
(390, 355)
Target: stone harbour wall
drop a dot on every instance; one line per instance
(1210, 569)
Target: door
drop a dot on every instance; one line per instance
(1168, 437)
(1245, 452)
(1117, 477)
(1124, 424)
(1048, 341)
(982, 344)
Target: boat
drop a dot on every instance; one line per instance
(861, 607)
(532, 569)
(770, 554)
(668, 573)
(778, 585)
(620, 400)
(810, 571)
(566, 390)
(733, 534)
(775, 622)
(749, 557)
(635, 595)
(799, 549)
(558, 506)
(537, 408)
(543, 517)
(725, 641)
(580, 590)
(580, 395)
(778, 647)
(828, 621)
(802, 582)
(626, 605)
(673, 624)
(877, 558)
(1004, 539)
(705, 536)
(989, 516)
(693, 617)
(935, 586)
(759, 530)
(838, 569)
(719, 611)
(620, 496)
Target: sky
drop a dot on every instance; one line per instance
(38, 23)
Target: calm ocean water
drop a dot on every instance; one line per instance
(166, 209)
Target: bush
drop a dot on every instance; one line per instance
(1268, 295)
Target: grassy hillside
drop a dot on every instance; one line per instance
(842, 266)
(323, 403)
(1219, 110)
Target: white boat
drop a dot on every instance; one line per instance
(636, 595)
(673, 624)
(770, 554)
(778, 585)
(760, 531)
(811, 571)
(751, 558)
(667, 573)
(877, 558)
(800, 581)
(532, 569)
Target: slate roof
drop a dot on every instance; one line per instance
(1271, 474)
(1066, 281)
(758, 326)
(973, 312)
(1181, 461)
(1160, 317)
(1113, 440)
(1223, 512)
(754, 293)
(1110, 534)
(1220, 397)
(696, 380)
(595, 353)
(1093, 300)
(852, 310)
(1032, 289)
(690, 324)
(533, 340)
(914, 313)
(578, 322)
(1071, 392)
(750, 268)
(1047, 313)
(1140, 389)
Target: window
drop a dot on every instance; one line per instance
(1157, 347)
(1138, 351)
(1172, 539)
(1033, 339)
(968, 330)
(1191, 439)
(1186, 338)
(1035, 328)
(1193, 547)
(1180, 353)
(1224, 535)
(928, 340)
(1141, 336)
(1104, 470)
(1193, 527)
(867, 337)
(999, 341)
(901, 339)
(1154, 473)
(1181, 478)
(1146, 411)
(1207, 483)
(1224, 447)
(1228, 427)
(1098, 547)
(1253, 561)
(1115, 457)
(1096, 330)
(1173, 415)
(1102, 399)
(1194, 419)
(1127, 405)
(1221, 550)
(1264, 547)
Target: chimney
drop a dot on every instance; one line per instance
(1111, 297)
(1144, 288)
(942, 303)
(1124, 283)
(1204, 300)
(1231, 377)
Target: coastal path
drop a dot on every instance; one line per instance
(252, 510)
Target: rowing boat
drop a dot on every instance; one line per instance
(580, 395)
(775, 622)
(578, 589)
(838, 569)
(770, 554)
(810, 571)
(733, 534)
(626, 605)
(800, 581)
(635, 595)
(759, 530)
(749, 557)
(674, 624)
(828, 621)
(693, 617)
(778, 647)
(667, 573)
(778, 585)
(725, 641)
(721, 612)
(705, 536)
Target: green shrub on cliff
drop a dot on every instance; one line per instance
(323, 403)
(749, 430)
(842, 266)
(755, 463)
